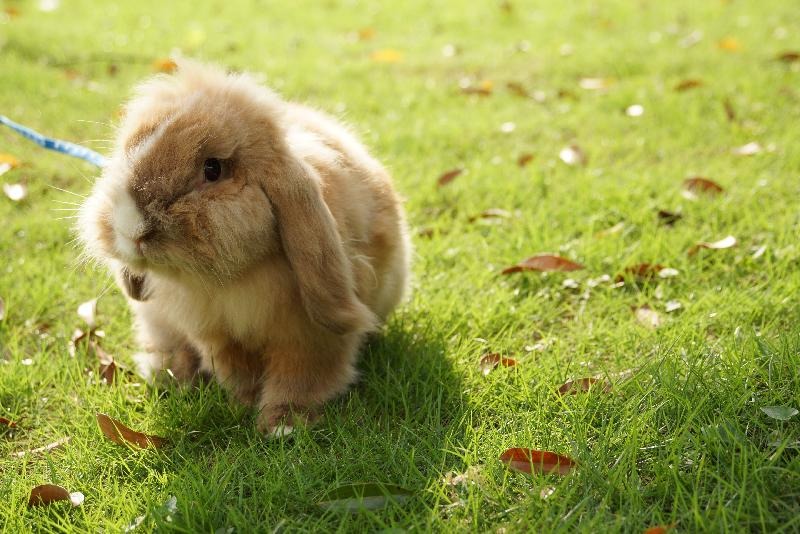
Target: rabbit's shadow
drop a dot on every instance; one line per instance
(402, 423)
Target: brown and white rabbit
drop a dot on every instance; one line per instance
(256, 239)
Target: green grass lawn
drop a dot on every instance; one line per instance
(680, 438)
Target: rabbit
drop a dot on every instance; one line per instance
(257, 241)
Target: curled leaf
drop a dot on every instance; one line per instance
(580, 385)
(122, 435)
(724, 243)
(491, 361)
(532, 460)
(544, 263)
(448, 176)
(699, 184)
(370, 496)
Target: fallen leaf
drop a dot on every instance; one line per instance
(483, 88)
(165, 65)
(88, 312)
(724, 243)
(573, 155)
(669, 218)
(47, 493)
(640, 270)
(78, 336)
(544, 263)
(580, 385)
(369, 496)
(750, 149)
(790, 56)
(386, 55)
(524, 159)
(448, 176)
(699, 184)
(491, 361)
(7, 422)
(635, 110)
(108, 372)
(687, 84)
(518, 89)
(47, 448)
(729, 44)
(647, 316)
(781, 413)
(491, 213)
(530, 460)
(122, 435)
(659, 529)
(15, 192)
(594, 84)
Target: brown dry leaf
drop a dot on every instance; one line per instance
(518, 89)
(750, 149)
(165, 65)
(491, 213)
(729, 44)
(573, 155)
(46, 448)
(448, 176)
(15, 192)
(690, 83)
(726, 242)
(482, 88)
(580, 385)
(643, 271)
(790, 56)
(7, 423)
(647, 316)
(122, 435)
(386, 55)
(524, 159)
(491, 361)
(669, 218)
(699, 184)
(544, 263)
(108, 372)
(47, 493)
(530, 460)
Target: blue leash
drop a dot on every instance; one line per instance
(65, 147)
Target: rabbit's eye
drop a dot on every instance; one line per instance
(212, 169)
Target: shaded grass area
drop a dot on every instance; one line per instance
(683, 441)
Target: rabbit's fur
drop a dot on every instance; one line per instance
(268, 278)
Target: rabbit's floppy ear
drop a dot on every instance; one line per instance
(313, 246)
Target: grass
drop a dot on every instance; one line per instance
(682, 441)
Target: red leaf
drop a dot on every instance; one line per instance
(490, 361)
(448, 177)
(529, 460)
(122, 435)
(698, 184)
(47, 493)
(580, 385)
(544, 263)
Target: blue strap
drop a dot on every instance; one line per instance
(65, 147)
